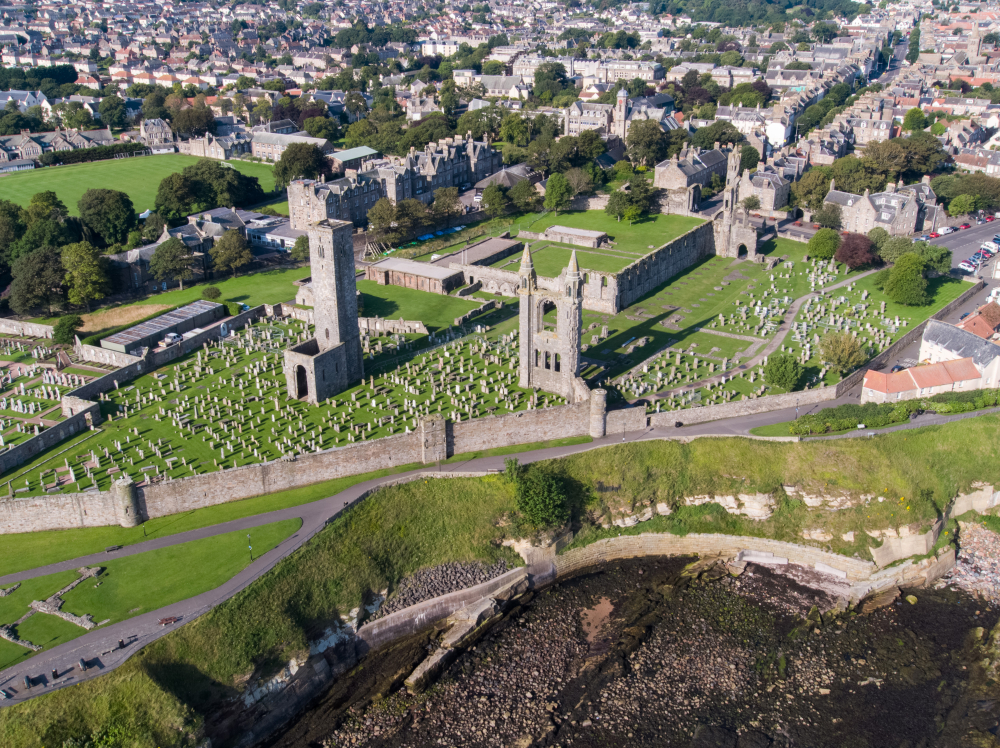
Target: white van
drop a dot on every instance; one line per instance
(994, 296)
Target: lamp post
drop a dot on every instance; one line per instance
(250, 547)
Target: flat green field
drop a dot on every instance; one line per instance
(270, 287)
(139, 177)
(136, 584)
(392, 302)
(651, 232)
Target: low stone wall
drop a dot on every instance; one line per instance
(736, 408)
(66, 428)
(481, 309)
(626, 419)
(382, 325)
(96, 354)
(26, 329)
(95, 387)
(589, 202)
(57, 512)
(518, 428)
(418, 617)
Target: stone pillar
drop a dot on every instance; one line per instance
(433, 439)
(126, 502)
(598, 413)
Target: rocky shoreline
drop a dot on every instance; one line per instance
(641, 654)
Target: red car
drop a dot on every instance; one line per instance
(934, 235)
(990, 218)
(965, 226)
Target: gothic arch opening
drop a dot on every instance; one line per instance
(301, 382)
(546, 316)
(742, 252)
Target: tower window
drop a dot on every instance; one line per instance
(328, 333)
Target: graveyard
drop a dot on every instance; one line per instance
(225, 406)
(742, 317)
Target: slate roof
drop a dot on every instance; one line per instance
(962, 343)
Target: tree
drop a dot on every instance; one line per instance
(541, 497)
(86, 273)
(300, 250)
(211, 293)
(749, 203)
(646, 142)
(749, 158)
(894, 248)
(962, 205)
(879, 237)
(46, 206)
(380, 217)
(38, 280)
(410, 216)
(558, 193)
(446, 203)
(782, 370)
(171, 261)
(618, 203)
(494, 201)
(632, 213)
(842, 351)
(108, 213)
(906, 283)
(12, 226)
(721, 132)
(589, 145)
(194, 121)
(824, 244)
(855, 251)
(515, 129)
(65, 329)
(112, 111)
(300, 160)
(524, 196)
(828, 216)
(231, 252)
(914, 120)
(936, 258)
(174, 198)
(580, 181)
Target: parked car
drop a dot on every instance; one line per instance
(923, 238)
(4, 695)
(934, 235)
(989, 252)
(990, 218)
(948, 230)
(965, 226)
(817, 226)
(896, 368)
(967, 267)
(170, 339)
(797, 223)
(980, 221)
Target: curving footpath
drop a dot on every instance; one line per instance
(99, 649)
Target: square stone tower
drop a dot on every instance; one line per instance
(550, 358)
(322, 366)
(734, 237)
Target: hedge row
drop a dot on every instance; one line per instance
(84, 155)
(876, 416)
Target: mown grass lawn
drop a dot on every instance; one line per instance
(138, 584)
(138, 177)
(655, 229)
(392, 302)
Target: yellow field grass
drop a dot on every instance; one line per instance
(122, 315)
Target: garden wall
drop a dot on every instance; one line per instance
(28, 329)
(737, 408)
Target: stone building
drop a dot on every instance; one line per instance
(221, 147)
(345, 199)
(31, 145)
(768, 186)
(155, 132)
(550, 351)
(270, 146)
(322, 366)
(685, 174)
(421, 276)
(958, 375)
(900, 209)
(616, 119)
(734, 236)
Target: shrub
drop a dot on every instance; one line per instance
(782, 370)
(842, 351)
(541, 497)
(211, 293)
(233, 308)
(880, 278)
(855, 251)
(65, 329)
(824, 244)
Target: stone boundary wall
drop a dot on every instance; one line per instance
(57, 512)
(66, 428)
(418, 617)
(518, 428)
(385, 325)
(662, 264)
(736, 408)
(96, 354)
(589, 202)
(95, 387)
(625, 419)
(30, 329)
(486, 306)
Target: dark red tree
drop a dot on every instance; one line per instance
(855, 251)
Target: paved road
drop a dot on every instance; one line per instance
(895, 64)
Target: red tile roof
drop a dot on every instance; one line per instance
(919, 377)
(977, 326)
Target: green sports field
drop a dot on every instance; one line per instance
(139, 177)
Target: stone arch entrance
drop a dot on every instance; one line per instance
(742, 252)
(301, 382)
